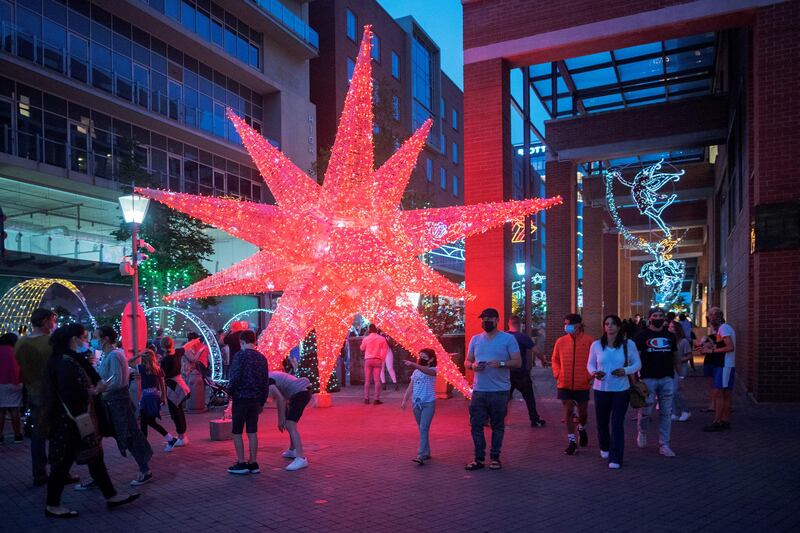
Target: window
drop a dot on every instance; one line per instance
(396, 107)
(421, 87)
(376, 47)
(455, 118)
(443, 144)
(443, 109)
(351, 66)
(395, 65)
(443, 178)
(455, 185)
(352, 23)
(429, 170)
(455, 153)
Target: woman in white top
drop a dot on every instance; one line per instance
(423, 399)
(611, 360)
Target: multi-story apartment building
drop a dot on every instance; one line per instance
(410, 88)
(78, 78)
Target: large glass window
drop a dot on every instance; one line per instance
(351, 66)
(455, 118)
(376, 47)
(443, 178)
(352, 24)
(422, 88)
(429, 169)
(455, 153)
(455, 185)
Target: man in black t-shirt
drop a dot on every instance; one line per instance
(658, 352)
(521, 377)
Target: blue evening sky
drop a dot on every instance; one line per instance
(441, 19)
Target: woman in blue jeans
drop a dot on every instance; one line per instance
(423, 399)
(611, 360)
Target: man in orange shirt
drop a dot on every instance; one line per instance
(570, 356)
(374, 347)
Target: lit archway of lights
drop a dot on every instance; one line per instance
(22, 299)
(214, 355)
(246, 312)
(663, 273)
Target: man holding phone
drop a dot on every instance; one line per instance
(490, 355)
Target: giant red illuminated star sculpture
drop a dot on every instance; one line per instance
(344, 247)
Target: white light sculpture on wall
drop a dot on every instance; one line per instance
(663, 273)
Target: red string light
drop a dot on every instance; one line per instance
(344, 247)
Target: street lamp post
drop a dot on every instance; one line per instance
(134, 209)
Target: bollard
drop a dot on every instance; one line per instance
(220, 429)
(323, 400)
(196, 403)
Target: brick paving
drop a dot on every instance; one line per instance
(361, 477)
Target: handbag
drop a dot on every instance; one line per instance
(638, 390)
(84, 422)
(179, 393)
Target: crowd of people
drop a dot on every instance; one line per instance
(80, 391)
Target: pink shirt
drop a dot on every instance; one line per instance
(9, 369)
(374, 347)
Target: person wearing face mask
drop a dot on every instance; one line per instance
(490, 355)
(570, 356)
(32, 352)
(70, 385)
(115, 372)
(658, 350)
(248, 387)
(723, 371)
(423, 399)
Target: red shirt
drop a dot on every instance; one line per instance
(9, 369)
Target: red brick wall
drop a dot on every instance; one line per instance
(491, 21)
(560, 258)
(775, 287)
(593, 270)
(487, 166)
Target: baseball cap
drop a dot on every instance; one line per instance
(489, 312)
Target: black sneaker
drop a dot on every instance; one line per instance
(366, 401)
(726, 425)
(377, 402)
(538, 423)
(713, 428)
(572, 448)
(254, 468)
(239, 469)
(18, 439)
(583, 438)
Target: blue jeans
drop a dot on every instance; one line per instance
(611, 406)
(423, 413)
(664, 389)
(491, 406)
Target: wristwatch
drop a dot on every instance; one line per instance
(502, 364)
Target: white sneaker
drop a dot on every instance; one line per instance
(686, 415)
(289, 454)
(182, 442)
(641, 440)
(603, 454)
(297, 464)
(666, 451)
(614, 466)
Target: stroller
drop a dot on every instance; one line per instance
(219, 396)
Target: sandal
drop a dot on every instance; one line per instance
(495, 464)
(474, 465)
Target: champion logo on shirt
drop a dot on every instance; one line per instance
(658, 343)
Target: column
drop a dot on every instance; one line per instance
(593, 270)
(487, 178)
(611, 285)
(560, 248)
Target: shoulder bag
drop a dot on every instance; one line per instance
(638, 391)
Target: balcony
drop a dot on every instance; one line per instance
(283, 16)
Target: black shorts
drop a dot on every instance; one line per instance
(297, 404)
(245, 411)
(574, 395)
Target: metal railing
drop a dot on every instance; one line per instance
(290, 21)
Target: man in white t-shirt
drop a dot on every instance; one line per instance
(724, 373)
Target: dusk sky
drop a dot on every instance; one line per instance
(441, 19)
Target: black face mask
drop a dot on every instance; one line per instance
(423, 362)
(657, 323)
(488, 326)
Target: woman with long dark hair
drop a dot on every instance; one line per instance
(71, 386)
(423, 399)
(612, 359)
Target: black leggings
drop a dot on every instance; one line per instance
(178, 416)
(152, 422)
(59, 473)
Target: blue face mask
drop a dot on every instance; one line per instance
(569, 328)
(95, 345)
(83, 348)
